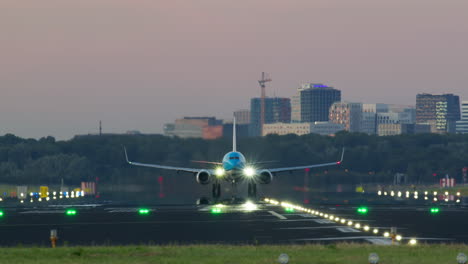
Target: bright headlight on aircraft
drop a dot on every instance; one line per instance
(219, 172)
(249, 172)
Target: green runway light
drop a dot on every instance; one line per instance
(143, 211)
(435, 210)
(216, 210)
(363, 210)
(70, 212)
(1, 213)
(289, 210)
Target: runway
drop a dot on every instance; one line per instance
(261, 223)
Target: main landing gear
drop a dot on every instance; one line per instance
(216, 190)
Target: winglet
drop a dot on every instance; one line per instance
(342, 156)
(126, 156)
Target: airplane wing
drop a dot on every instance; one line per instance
(192, 170)
(308, 166)
(206, 162)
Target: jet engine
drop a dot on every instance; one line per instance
(203, 177)
(265, 177)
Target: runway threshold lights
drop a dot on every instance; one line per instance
(434, 210)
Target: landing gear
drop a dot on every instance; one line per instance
(252, 190)
(216, 191)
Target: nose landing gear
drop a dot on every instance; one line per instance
(252, 190)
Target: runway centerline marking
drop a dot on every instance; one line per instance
(282, 217)
(347, 230)
(323, 221)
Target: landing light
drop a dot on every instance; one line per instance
(249, 172)
(413, 242)
(219, 172)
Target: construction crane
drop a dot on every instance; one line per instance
(265, 79)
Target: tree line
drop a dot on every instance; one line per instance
(368, 159)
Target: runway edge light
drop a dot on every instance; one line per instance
(363, 210)
(70, 212)
(373, 258)
(143, 211)
(461, 258)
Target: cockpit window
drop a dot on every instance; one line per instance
(233, 158)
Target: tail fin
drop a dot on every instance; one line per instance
(234, 137)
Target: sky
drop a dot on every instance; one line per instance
(138, 64)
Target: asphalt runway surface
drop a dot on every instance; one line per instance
(98, 224)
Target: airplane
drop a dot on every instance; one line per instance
(234, 168)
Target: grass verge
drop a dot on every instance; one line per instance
(211, 254)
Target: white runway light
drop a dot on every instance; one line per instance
(249, 206)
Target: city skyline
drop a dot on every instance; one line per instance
(141, 64)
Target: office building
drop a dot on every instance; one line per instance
(439, 111)
(296, 103)
(195, 127)
(347, 114)
(322, 128)
(242, 116)
(316, 100)
(277, 110)
(462, 125)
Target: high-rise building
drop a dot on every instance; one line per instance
(375, 108)
(242, 116)
(462, 125)
(296, 103)
(347, 114)
(369, 117)
(316, 101)
(440, 111)
(277, 110)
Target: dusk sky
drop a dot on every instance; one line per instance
(135, 65)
